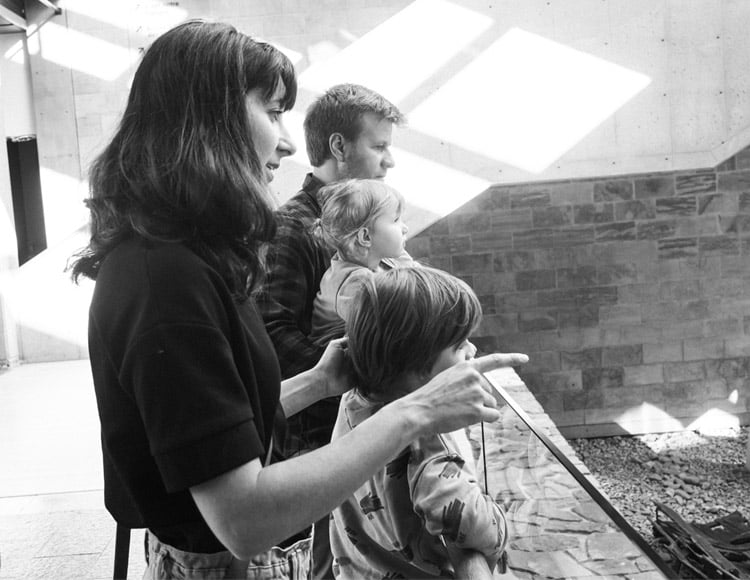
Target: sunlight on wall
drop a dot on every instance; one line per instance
(16, 53)
(146, 16)
(8, 249)
(81, 52)
(432, 190)
(650, 418)
(40, 320)
(524, 101)
(635, 418)
(533, 99)
(392, 59)
(64, 210)
(714, 420)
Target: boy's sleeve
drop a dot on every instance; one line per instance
(445, 493)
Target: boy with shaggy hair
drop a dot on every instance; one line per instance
(409, 519)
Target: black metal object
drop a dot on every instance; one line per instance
(503, 397)
(122, 552)
(26, 192)
(717, 550)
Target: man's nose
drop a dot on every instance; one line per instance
(388, 160)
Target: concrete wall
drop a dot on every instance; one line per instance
(498, 95)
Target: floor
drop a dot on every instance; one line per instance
(53, 523)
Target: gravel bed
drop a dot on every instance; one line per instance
(700, 475)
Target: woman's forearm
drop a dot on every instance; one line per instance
(301, 391)
(281, 499)
(330, 376)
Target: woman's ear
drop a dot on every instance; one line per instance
(364, 238)
(336, 143)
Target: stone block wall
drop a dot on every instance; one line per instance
(630, 294)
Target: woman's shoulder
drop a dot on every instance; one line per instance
(172, 257)
(158, 267)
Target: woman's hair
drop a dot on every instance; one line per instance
(182, 165)
(402, 319)
(350, 205)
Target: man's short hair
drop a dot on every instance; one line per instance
(400, 322)
(340, 110)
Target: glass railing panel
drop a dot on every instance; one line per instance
(560, 524)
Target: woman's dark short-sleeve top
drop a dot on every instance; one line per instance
(187, 386)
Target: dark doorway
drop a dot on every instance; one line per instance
(26, 191)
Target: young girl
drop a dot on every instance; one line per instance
(361, 220)
(409, 519)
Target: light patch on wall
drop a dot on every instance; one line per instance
(16, 53)
(64, 210)
(42, 321)
(397, 56)
(8, 248)
(432, 190)
(82, 52)
(714, 421)
(647, 417)
(526, 100)
(150, 16)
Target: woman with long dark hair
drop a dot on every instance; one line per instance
(186, 379)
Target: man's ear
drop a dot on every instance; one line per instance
(364, 238)
(336, 144)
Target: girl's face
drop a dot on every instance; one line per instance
(388, 232)
(271, 138)
(453, 355)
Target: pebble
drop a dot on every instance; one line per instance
(701, 476)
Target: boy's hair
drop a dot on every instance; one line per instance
(340, 110)
(350, 205)
(402, 319)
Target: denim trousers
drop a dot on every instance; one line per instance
(166, 562)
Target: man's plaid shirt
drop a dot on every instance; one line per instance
(297, 261)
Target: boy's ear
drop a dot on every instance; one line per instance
(336, 144)
(364, 238)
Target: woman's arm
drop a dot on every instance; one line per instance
(329, 377)
(252, 508)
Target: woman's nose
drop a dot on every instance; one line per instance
(286, 145)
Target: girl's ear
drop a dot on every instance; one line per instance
(336, 144)
(364, 238)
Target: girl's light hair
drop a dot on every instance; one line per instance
(402, 319)
(350, 205)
